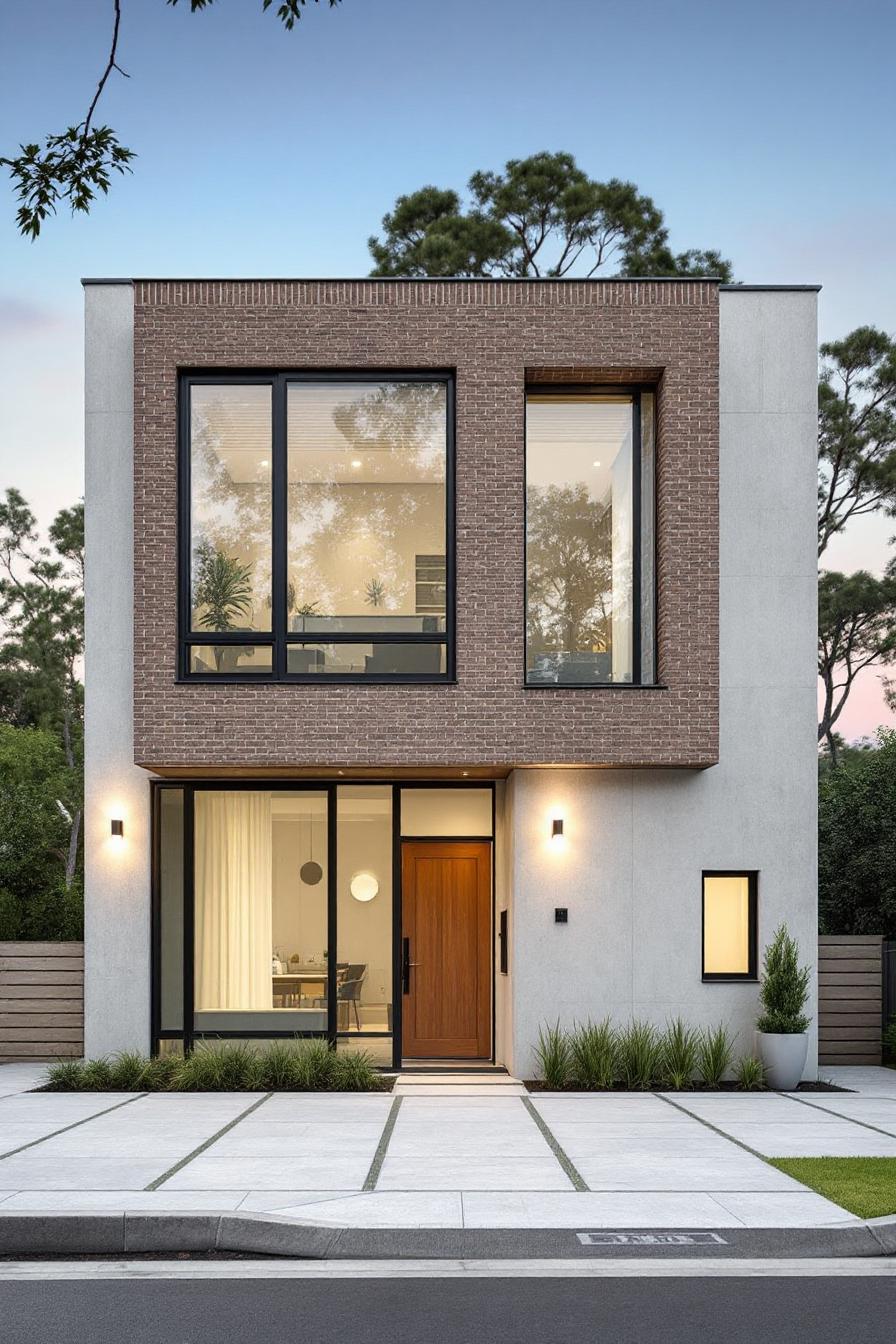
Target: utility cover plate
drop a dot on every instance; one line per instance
(651, 1239)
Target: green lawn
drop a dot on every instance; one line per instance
(865, 1186)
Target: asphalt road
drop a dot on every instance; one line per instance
(494, 1311)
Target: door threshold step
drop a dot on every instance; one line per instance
(441, 1068)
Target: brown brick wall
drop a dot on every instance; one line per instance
(492, 334)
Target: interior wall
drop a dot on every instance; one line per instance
(299, 911)
(446, 812)
(364, 928)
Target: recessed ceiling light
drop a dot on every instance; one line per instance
(596, 464)
(356, 463)
(265, 462)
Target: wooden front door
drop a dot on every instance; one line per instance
(446, 949)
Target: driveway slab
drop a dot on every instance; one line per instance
(471, 1154)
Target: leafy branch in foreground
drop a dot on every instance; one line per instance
(73, 166)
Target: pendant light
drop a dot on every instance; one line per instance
(310, 871)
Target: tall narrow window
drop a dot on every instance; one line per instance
(320, 542)
(364, 910)
(729, 926)
(230, 525)
(584, 544)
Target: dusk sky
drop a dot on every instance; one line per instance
(763, 129)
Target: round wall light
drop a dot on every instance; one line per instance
(364, 886)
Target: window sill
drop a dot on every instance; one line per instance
(595, 686)
(730, 979)
(318, 679)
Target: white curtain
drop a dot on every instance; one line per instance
(233, 900)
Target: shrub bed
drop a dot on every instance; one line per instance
(282, 1066)
(639, 1057)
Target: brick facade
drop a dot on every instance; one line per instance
(495, 335)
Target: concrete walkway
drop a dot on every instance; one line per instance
(448, 1153)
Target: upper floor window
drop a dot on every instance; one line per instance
(589, 536)
(319, 531)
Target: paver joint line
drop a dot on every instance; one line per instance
(555, 1146)
(185, 1161)
(376, 1165)
(65, 1128)
(817, 1106)
(715, 1129)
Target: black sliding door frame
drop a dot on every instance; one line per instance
(189, 788)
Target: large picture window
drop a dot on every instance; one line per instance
(318, 513)
(589, 537)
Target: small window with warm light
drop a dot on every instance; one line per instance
(729, 926)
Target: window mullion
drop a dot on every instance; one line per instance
(279, 526)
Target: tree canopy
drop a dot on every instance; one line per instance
(856, 630)
(857, 842)
(41, 720)
(856, 430)
(542, 216)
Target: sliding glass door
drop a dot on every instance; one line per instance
(276, 905)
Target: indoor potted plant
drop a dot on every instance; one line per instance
(781, 1029)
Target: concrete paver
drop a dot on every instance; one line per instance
(465, 1152)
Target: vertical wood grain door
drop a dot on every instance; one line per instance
(446, 949)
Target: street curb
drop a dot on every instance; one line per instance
(152, 1233)
(147, 1233)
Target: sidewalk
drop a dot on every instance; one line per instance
(439, 1153)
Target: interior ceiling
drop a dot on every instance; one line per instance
(571, 439)
(236, 421)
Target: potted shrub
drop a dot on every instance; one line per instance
(781, 1029)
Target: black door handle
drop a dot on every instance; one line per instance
(405, 965)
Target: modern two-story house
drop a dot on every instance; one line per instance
(450, 657)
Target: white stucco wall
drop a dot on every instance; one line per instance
(117, 893)
(636, 842)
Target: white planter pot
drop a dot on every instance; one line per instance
(784, 1057)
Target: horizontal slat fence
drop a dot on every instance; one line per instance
(41, 1001)
(849, 998)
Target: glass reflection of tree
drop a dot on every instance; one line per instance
(399, 430)
(230, 519)
(569, 574)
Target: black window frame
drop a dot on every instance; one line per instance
(635, 391)
(279, 640)
(752, 972)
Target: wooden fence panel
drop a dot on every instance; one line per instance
(850, 1002)
(41, 1001)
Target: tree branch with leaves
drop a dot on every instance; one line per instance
(856, 630)
(72, 166)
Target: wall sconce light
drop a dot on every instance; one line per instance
(557, 828)
(117, 828)
(364, 886)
